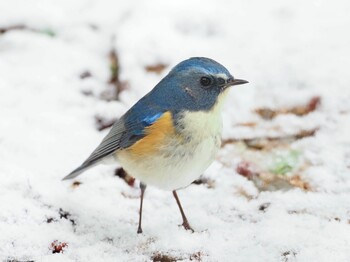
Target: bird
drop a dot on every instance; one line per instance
(173, 133)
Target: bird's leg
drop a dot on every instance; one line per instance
(185, 223)
(143, 189)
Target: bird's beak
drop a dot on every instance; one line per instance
(234, 82)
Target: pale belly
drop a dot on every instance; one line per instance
(175, 165)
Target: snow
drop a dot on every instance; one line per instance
(290, 52)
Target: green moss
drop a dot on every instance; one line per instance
(285, 163)
(48, 32)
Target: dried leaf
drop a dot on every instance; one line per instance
(245, 169)
(85, 74)
(312, 104)
(114, 78)
(120, 172)
(58, 247)
(247, 124)
(206, 181)
(263, 143)
(76, 184)
(156, 68)
(159, 257)
(298, 182)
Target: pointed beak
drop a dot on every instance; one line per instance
(234, 82)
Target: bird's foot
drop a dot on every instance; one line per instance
(187, 226)
(139, 230)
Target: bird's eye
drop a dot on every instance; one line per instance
(205, 81)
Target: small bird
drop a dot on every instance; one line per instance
(172, 134)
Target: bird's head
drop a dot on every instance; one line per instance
(197, 84)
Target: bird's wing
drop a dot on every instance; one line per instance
(124, 133)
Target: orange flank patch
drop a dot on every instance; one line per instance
(156, 136)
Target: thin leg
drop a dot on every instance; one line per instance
(185, 223)
(143, 189)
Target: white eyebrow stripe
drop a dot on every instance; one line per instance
(224, 76)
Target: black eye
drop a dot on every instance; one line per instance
(205, 81)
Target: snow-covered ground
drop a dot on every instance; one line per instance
(280, 187)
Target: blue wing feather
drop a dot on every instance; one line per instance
(124, 133)
(149, 120)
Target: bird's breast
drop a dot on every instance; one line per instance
(200, 125)
(172, 156)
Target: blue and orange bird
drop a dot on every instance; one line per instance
(172, 134)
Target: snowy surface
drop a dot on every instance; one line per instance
(290, 52)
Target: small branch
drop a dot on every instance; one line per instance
(268, 114)
(260, 143)
(4, 30)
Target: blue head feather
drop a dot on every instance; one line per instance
(181, 89)
(206, 65)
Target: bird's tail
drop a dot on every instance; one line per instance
(76, 172)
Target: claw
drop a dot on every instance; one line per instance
(187, 226)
